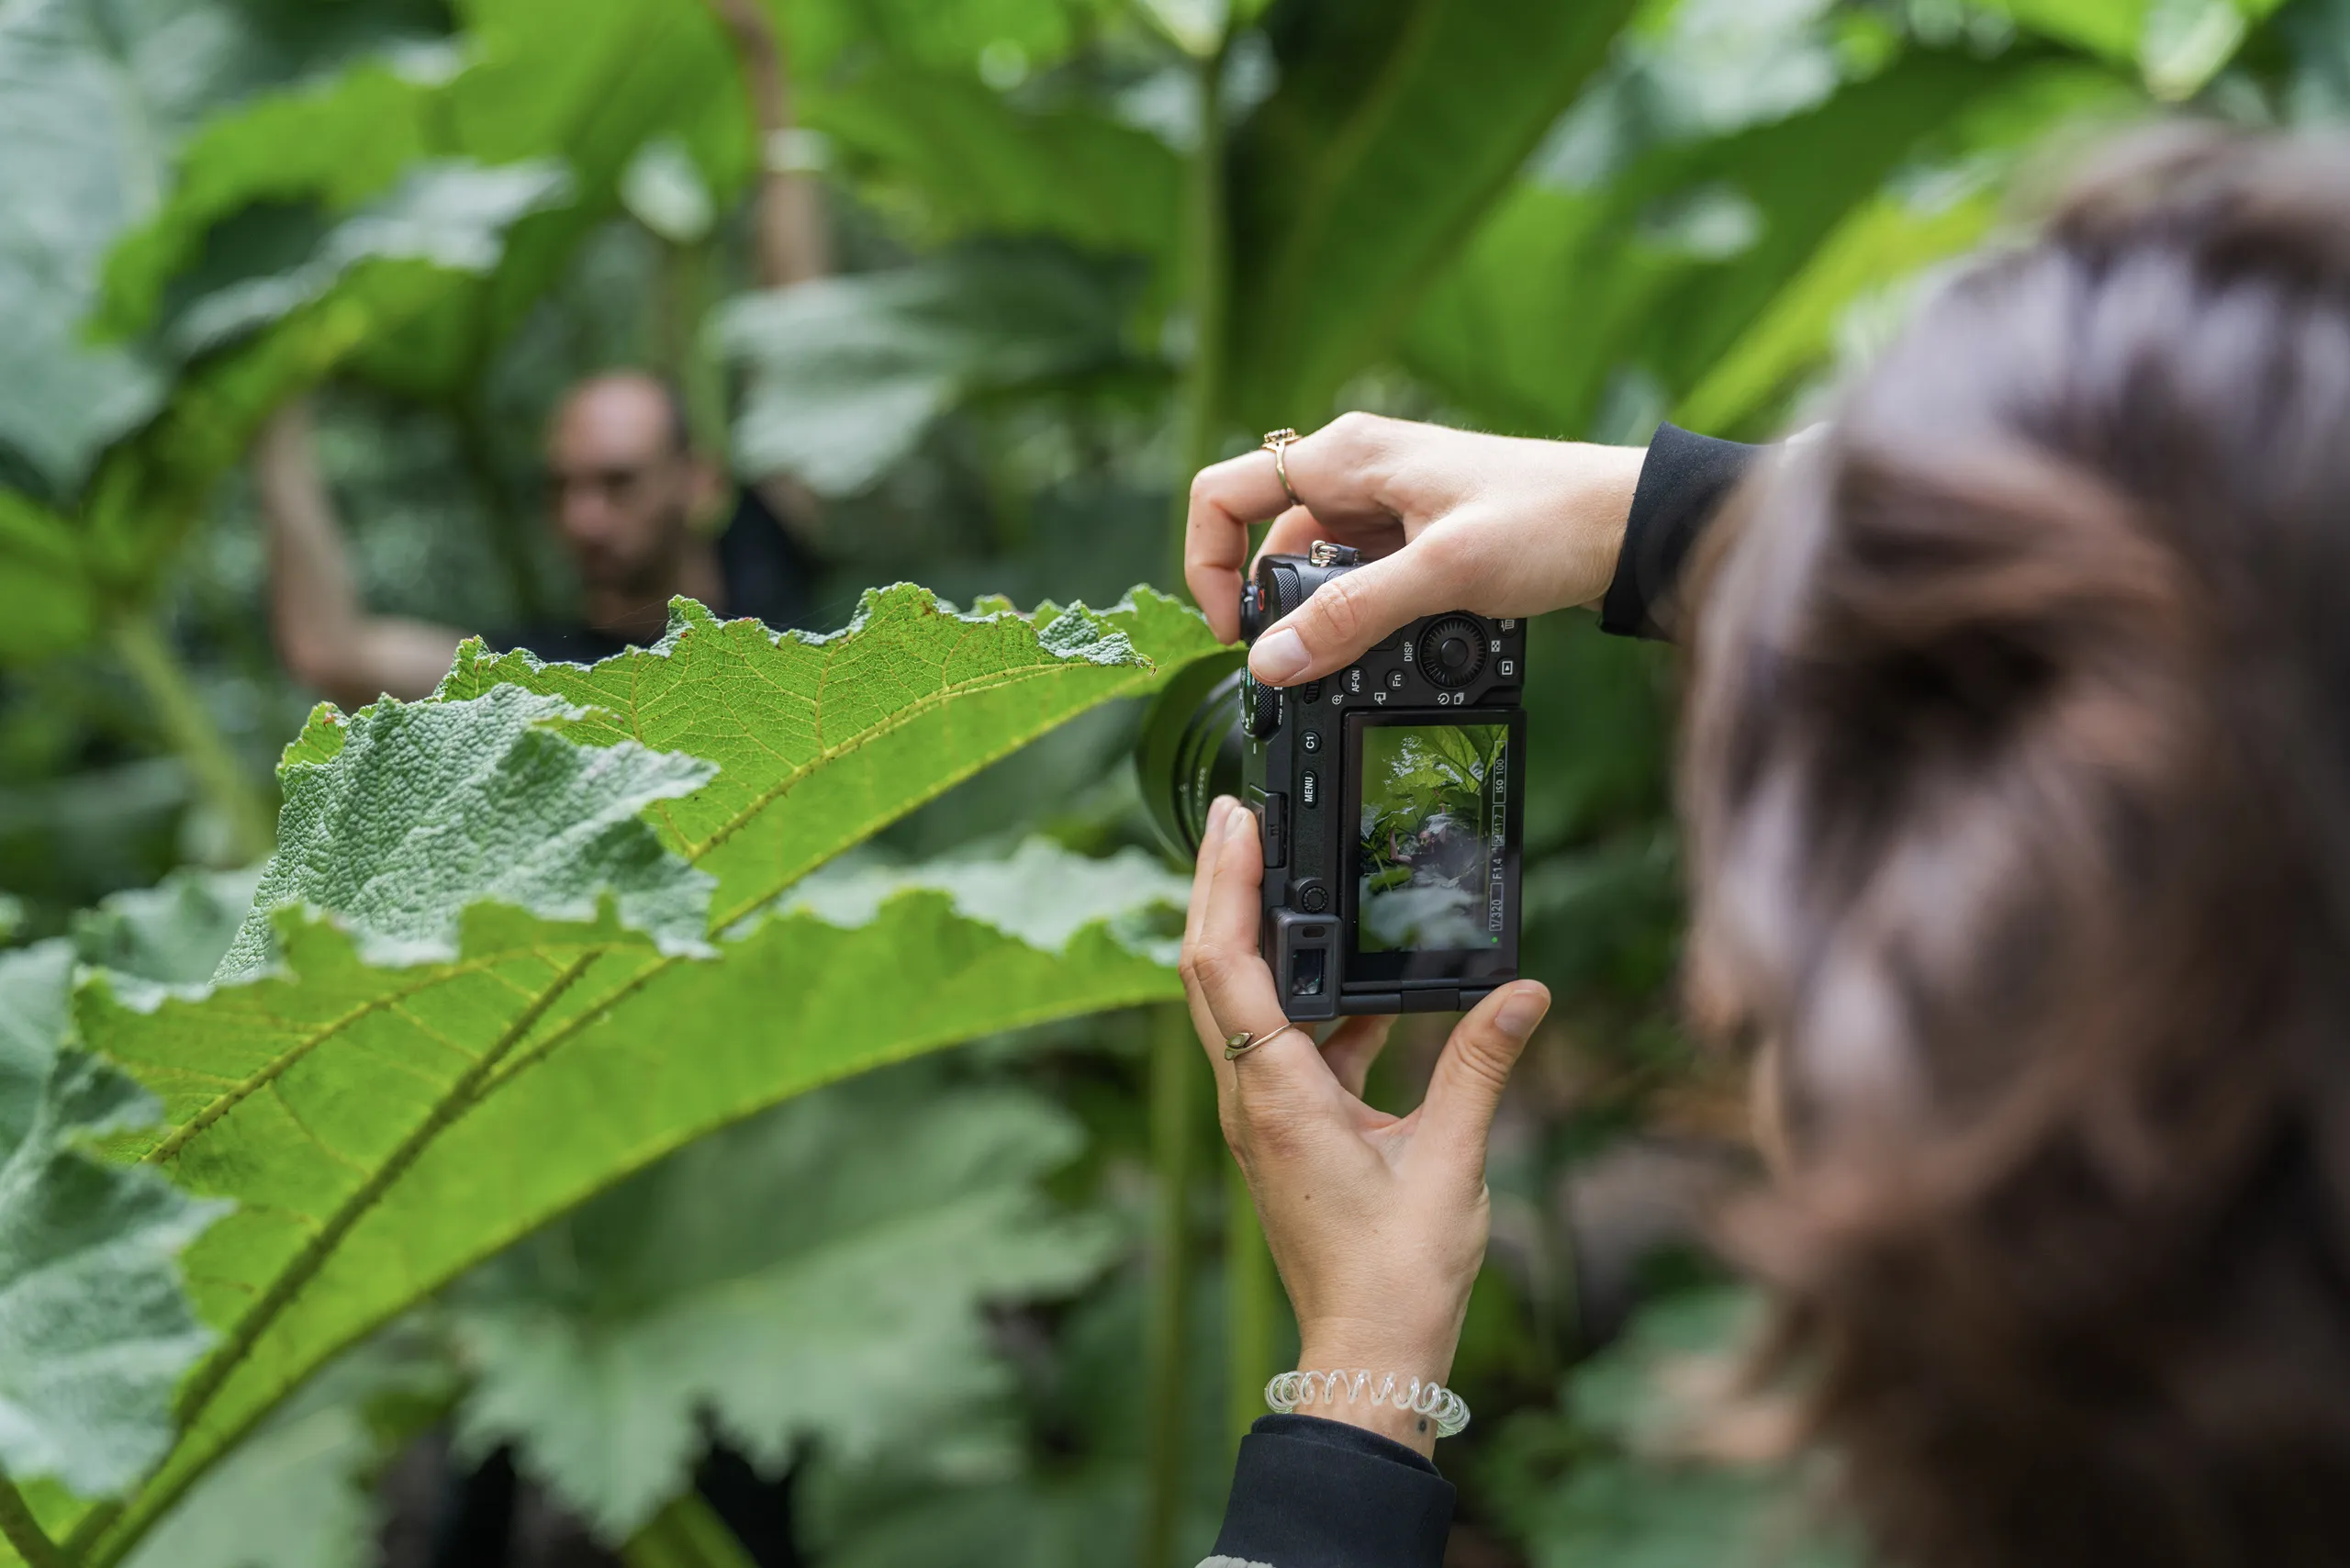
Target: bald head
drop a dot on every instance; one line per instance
(626, 483)
(626, 408)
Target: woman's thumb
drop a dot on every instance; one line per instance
(1469, 1076)
(1341, 621)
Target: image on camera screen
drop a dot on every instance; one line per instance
(1429, 872)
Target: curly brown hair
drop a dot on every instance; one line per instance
(2018, 776)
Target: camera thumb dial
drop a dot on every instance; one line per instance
(1452, 650)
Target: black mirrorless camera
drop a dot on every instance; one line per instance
(1387, 796)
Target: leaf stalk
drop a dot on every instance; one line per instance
(24, 1532)
(1251, 1308)
(687, 1533)
(220, 778)
(1174, 1068)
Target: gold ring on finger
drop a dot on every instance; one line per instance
(1241, 1042)
(1278, 442)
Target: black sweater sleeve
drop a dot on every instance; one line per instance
(1315, 1493)
(1683, 484)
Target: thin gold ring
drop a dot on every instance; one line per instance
(1276, 442)
(1241, 1042)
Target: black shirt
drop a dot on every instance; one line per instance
(766, 572)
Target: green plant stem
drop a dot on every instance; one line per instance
(220, 778)
(24, 1532)
(1207, 292)
(1174, 1070)
(682, 347)
(1251, 1307)
(685, 1534)
(1174, 1058)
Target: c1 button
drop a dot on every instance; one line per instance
(1310, 740)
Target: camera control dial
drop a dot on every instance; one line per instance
(1452, 652)
(1261, 708)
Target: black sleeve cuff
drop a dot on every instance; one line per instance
(1683, 484)
(1315, 1493)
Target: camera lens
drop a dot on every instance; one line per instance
(1191, 749)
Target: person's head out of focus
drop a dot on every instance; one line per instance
(626, 483)
(2019, 778)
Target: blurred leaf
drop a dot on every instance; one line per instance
(1614, 1478)
(2179, 45)
(1396, 124)
(1199, 27)
(45, 600)
(94, 100)
(297, 1492)
(941, 35)
(290, 1496)
(663, 190)
(1033, 1522)
(330, 145)
(94, 1328)
(974, 162)
(587, 83)
(173, 933)
(1639, 1515)
(848, 372)
(451, 216)
(256, 341)
(1563, 292)
(817, 1274)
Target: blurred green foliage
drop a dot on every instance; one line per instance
(1082, 243)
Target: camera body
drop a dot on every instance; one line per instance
(1389, 797)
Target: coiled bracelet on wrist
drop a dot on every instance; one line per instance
(1291, 1389)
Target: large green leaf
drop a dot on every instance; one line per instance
(1566, 292)
(95, 98)
(817, 1274)
(973, 160)
(505, 987)
(2178, 45)
(1397, 125)
(942, 35)
(256, 337)
(587, 83)
(93, 1329)
(848, 372)
(821, 740)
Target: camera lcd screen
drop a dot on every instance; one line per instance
(1431, 863)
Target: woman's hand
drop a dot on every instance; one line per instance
(1447, 519)
(1377, 1222)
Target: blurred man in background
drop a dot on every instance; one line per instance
(628, 490)
(629, 495)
